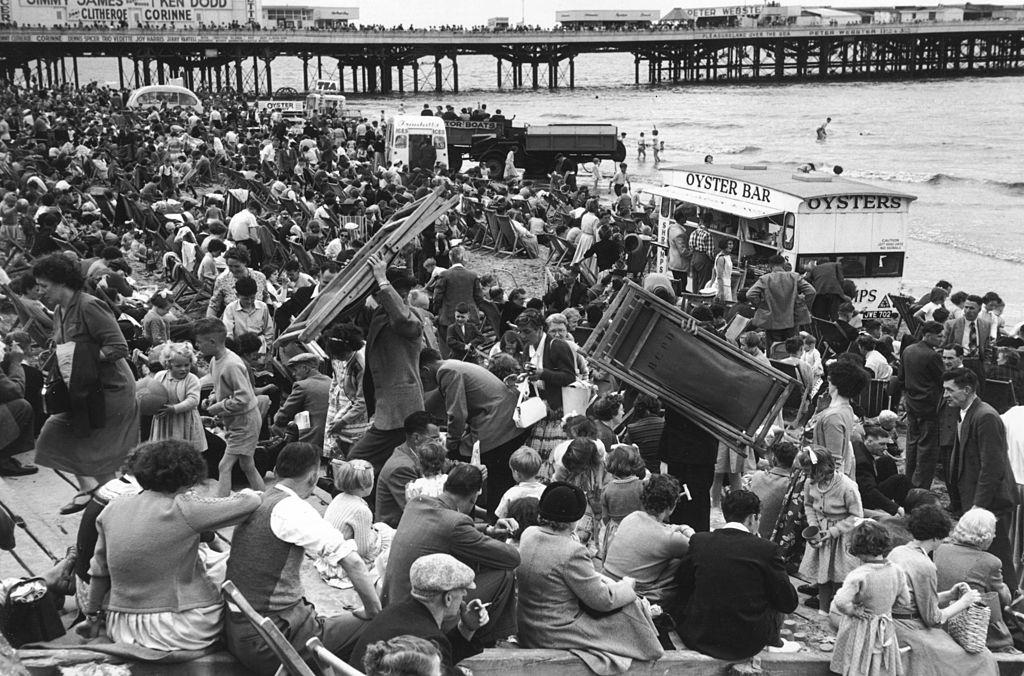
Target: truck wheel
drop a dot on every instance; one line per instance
(620, 151)
(495, 163)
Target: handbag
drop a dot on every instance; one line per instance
(529, 410)
(30, 613)
(969, 627)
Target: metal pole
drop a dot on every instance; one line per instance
(256, 74)
(120, 72)
(416, 77)
(499, 72)
(305, 72)
(455, 73)
(74, 66)
(437, 75)
(636, 69)
(270, 84)
(239, 80)
(319, 67)
(401, 78)
(63, 71)
(572, 72)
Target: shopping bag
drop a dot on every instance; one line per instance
(531, 409)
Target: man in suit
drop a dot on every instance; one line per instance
(882, 487)
(439, 584)
(391, 380)
(782, 300)
(734, 588)
(443, 525)
(463, 337)
(979, 469)
(310, 393)
(480, 408)
(973, 333)
(402, 467)
(920, 377)
(827, 279)
(456, 285)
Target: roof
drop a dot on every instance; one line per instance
(828, 12)
(786, 180)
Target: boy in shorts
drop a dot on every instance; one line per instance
(233, 401)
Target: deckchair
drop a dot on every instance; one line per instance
(291, 661)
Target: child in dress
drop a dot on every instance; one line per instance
(832, 505)
(810, 356)
(583, 466)
(156, 325)
(862, 610)
(179, 417)
(433, 464)
(621, 496)
(525, 464)
(349, 513)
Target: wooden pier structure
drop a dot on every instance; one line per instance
(385, 62)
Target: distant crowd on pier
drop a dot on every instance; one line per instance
(490, 485)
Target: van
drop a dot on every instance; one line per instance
(406, 136)
(156, 96)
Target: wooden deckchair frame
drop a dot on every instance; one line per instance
(291, 662)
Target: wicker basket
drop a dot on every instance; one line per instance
(969, 628)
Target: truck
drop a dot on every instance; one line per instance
(535, 146)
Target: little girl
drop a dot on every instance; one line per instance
(179, 417)
(812, 357)
(156, 325)
(866, 644)
(349, 513)
(832, 505)
(583, 466)
(433, 464)
(621, 497)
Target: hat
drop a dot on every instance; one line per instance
(440, 573)
(62, 185)
(351, 226)
(562, 502)
(304, 358)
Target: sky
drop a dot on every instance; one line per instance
(538, 12)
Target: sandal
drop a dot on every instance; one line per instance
(78, 503)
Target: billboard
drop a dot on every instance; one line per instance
(147, 13)
(607, 15)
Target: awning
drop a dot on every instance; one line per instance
(717, 202)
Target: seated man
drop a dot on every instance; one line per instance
(733, 587)
(442, 525)
(882, 487)
(439, 586)
(267, 552)
(310, 395)
(402, 467)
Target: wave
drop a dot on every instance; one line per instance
(690, 124)
(966, 244)
(564, 116)
(933, 179)
(716, 149)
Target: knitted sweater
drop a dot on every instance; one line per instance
(147, 544)
(349, 511)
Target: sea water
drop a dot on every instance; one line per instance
(954, 143)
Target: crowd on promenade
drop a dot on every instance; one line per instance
(491, 486)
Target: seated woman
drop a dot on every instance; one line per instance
(402, 656)
(933, 652)
(564, 603)
(964, 558)
(147, 554)
(646, 548)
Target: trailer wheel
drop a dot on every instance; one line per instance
(495, 163)
(620, 151)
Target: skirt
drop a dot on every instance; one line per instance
(831, 562)
(102, 451)
(195, 629)
(867, 647)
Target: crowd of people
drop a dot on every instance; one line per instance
(491, 485)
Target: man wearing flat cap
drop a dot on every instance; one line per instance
(310, 394)
(435, 611)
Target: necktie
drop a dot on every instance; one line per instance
(972, 341)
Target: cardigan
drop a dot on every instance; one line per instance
(147, 544)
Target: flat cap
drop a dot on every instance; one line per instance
(304, 358)
(440, 573)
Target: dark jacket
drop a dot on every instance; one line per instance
(869, 475)
(457, 285)
(559, 366)
(393, 345)
(412, 618)
(732, 586)
(683, 442)
(402, 467)
(431, 526)
(921, 379)
(979, 472)
(826, 278)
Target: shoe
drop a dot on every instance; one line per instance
(78, 503)
(65, 583)
(11, 467)
(809, 589)
(785, 647)
(812, 603)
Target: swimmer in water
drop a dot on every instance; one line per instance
(709, 159)
(823, 129)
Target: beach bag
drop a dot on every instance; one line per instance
(576, 398)
(531, 409)
(969, 627)
(30, 613)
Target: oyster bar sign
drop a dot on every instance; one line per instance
(729, 187)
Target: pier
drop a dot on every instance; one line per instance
(385, 62)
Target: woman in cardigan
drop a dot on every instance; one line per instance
(101, 424)
(564, 603)
(835, 426)
(933, 652)
(147, 554)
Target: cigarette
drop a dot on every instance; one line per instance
(482, 605)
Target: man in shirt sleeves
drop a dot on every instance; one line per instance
(267, 551)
